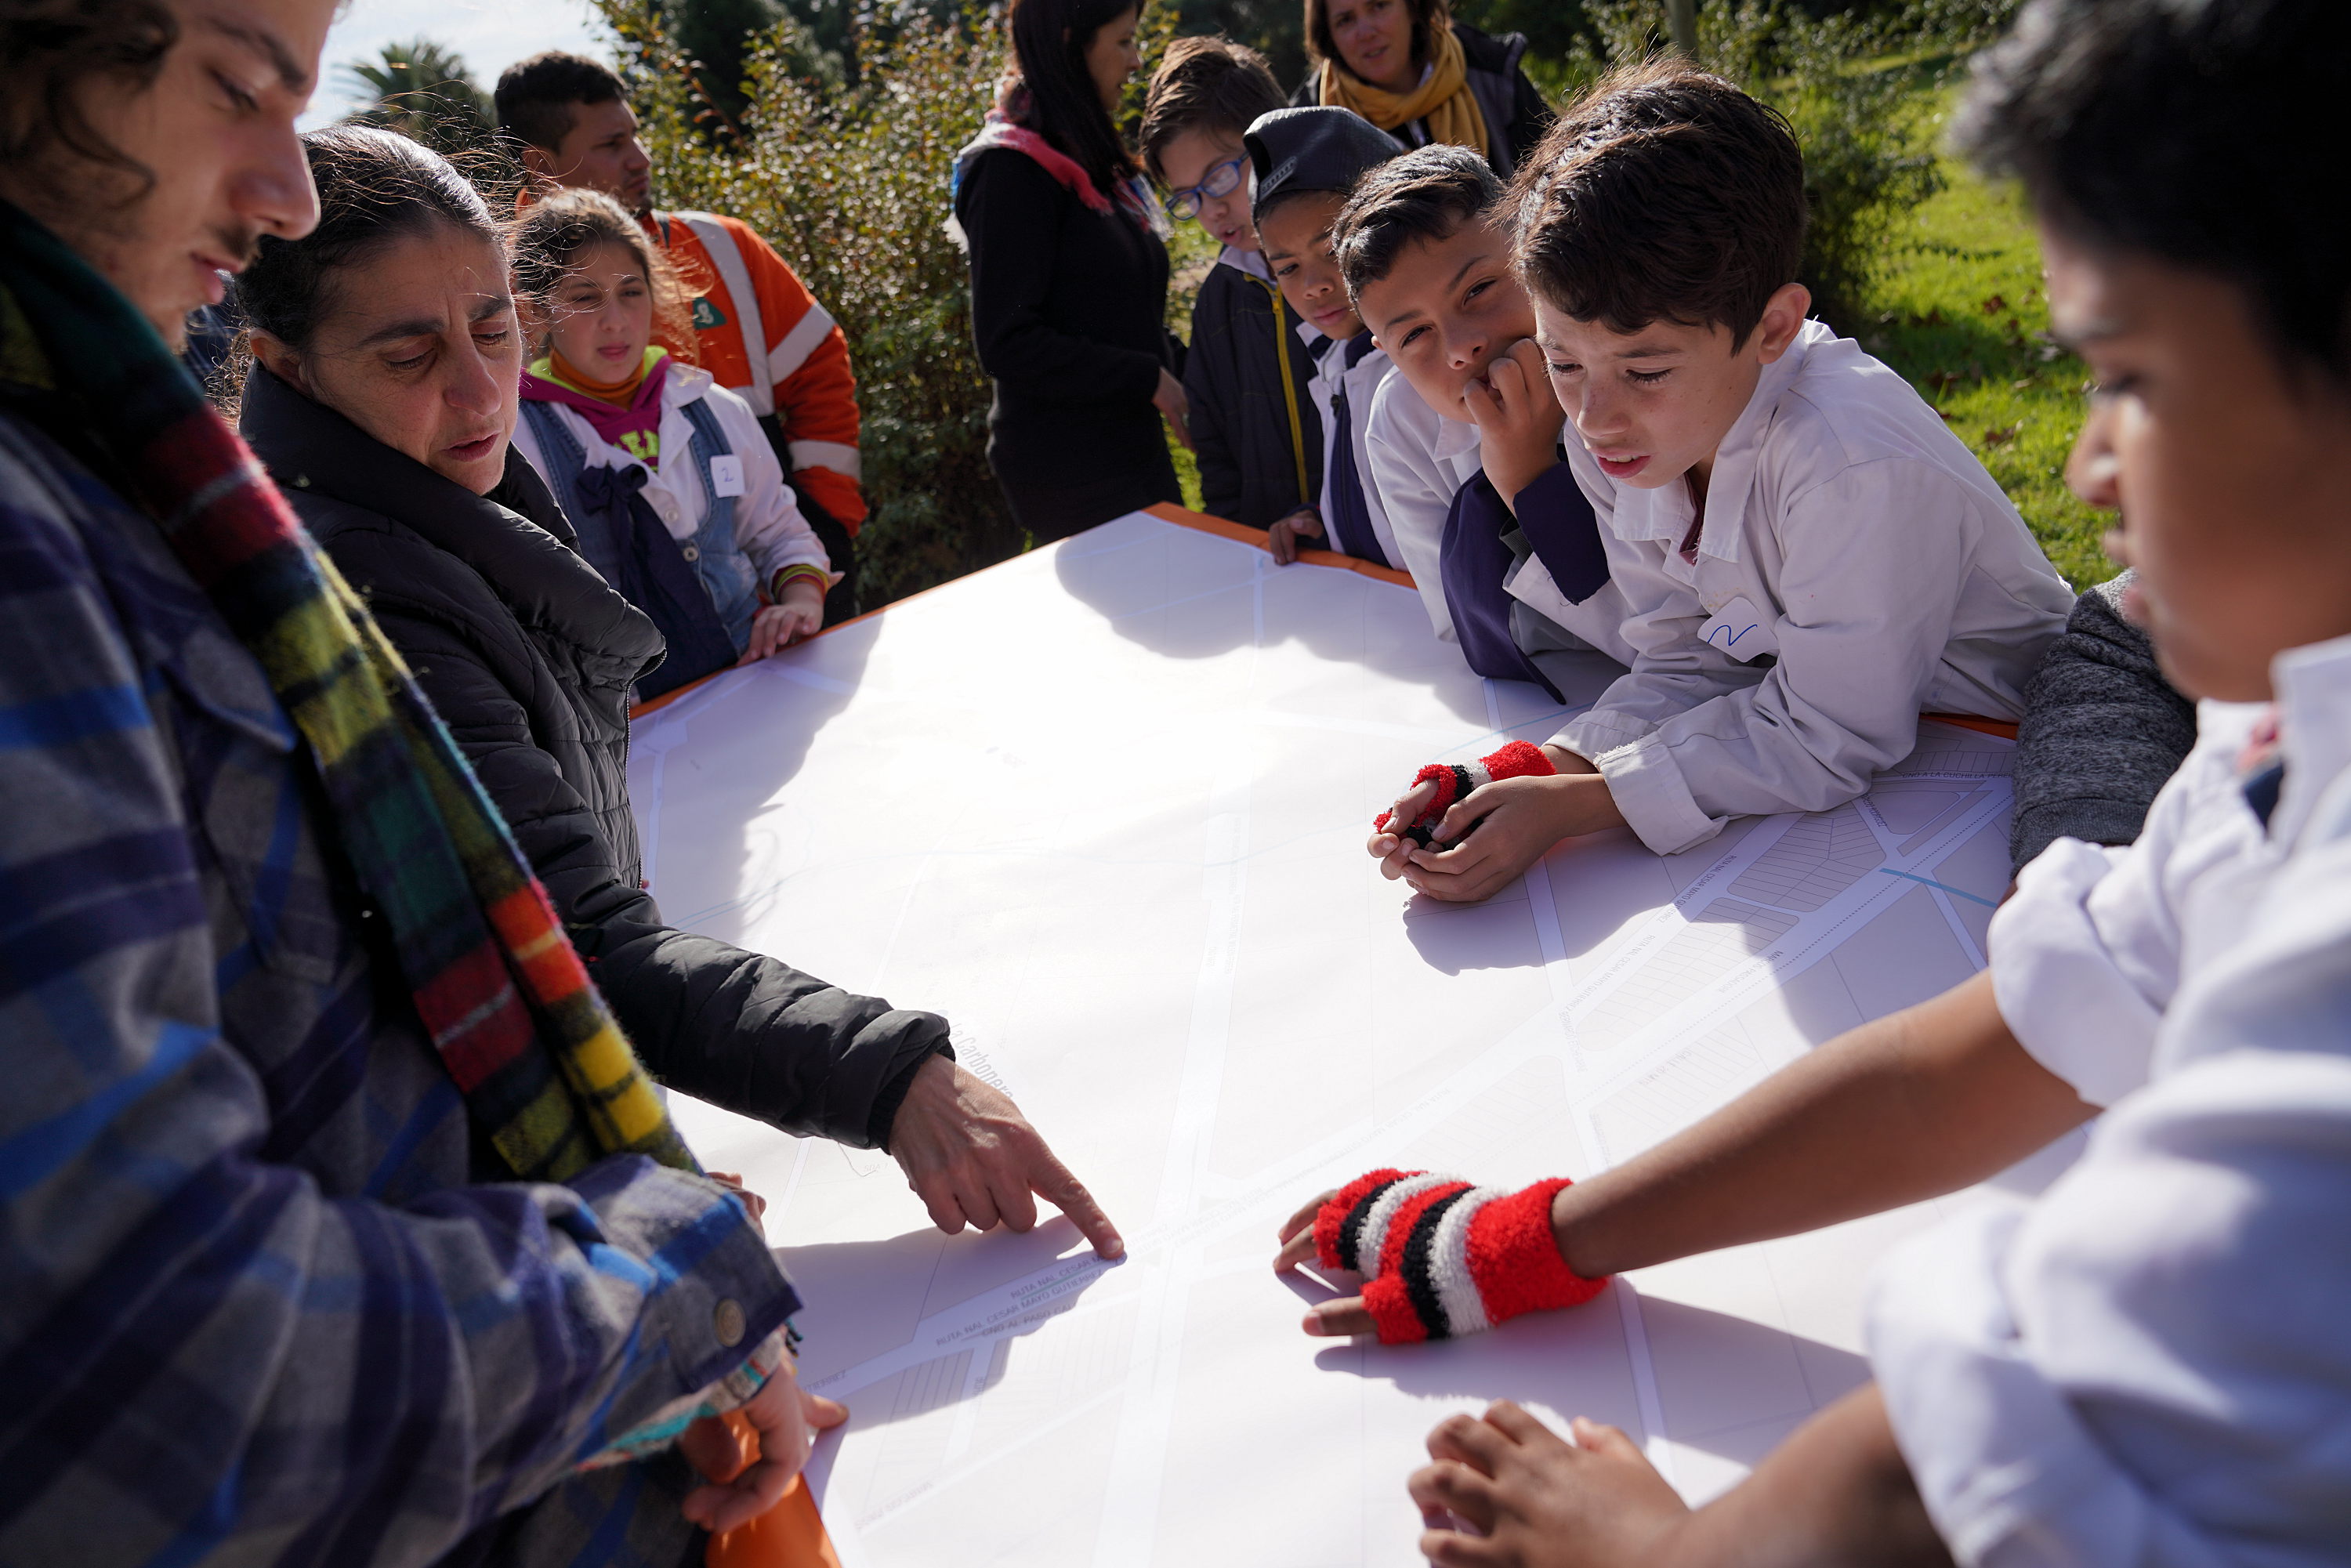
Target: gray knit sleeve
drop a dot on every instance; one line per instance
(2102, 731)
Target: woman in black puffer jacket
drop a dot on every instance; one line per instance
(530, 659)
(383, 402)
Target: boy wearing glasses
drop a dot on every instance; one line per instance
(1259, 441)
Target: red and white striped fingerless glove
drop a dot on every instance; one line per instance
(1519, 759)
(1441, 1258)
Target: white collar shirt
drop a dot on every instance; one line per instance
(1361, 382)
(2088, 953)
(2150, 1363)
(1418, 459)
(1249, 261)
(1886, 573)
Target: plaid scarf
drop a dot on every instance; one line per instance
(546, 1073)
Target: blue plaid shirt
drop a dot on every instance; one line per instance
(257, 1303)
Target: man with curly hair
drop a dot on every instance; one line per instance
(338, 1222)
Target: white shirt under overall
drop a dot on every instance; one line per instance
(769, 527)
(2150, 1363)
(1418, 460)
(1884, 573)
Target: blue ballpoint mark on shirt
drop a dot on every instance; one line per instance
(1734, 641)
(1947, 887)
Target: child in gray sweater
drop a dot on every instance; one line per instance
(2102, 731)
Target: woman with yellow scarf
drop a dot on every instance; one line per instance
(1412, 70)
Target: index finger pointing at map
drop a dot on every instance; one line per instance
(1054, 1184)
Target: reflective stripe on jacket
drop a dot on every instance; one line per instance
(744, 293)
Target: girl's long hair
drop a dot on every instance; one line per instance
(1049, 53)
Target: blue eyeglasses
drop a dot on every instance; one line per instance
(1221, 181)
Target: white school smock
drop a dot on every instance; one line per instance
(2086, 957)
(1890, 575)
(1419, 459)
(1362, 385)
(2150, 1363)
(769, 527)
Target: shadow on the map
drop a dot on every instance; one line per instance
(1728, 1386)
(760, 758)
(1453, 938)
(1220, 608)
(1496, 933)
(866, 1299)
(829, 674)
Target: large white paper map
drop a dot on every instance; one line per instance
(1104, 807)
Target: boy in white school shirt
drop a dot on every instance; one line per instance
(2148, 1363)
(1458, 447)
(1809, 556)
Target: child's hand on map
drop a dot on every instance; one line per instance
(794, 617)
(1437, 787)
(1517, 822)
(1535, 1499)
(1387, 843)
(1522, 800)
(974, 1159)
(1336, 1319)
(1439, 1257)
(1284, 539)
(1506, 1491)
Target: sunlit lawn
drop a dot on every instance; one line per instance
(1960, 312)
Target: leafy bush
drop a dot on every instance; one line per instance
(850, 184)
(1848, 81)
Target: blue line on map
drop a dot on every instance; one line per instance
(1947, 887)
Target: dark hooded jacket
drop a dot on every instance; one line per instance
(1516, 115)
(530, 657)
(1260, 440)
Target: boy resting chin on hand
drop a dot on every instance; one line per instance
(1462, 440)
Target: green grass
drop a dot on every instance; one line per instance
(1190, 254)
(1958, 309)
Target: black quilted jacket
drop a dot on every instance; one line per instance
(530, 658)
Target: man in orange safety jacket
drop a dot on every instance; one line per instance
(756, 329)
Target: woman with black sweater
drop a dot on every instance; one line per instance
(383, 399)
(1069, 278)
